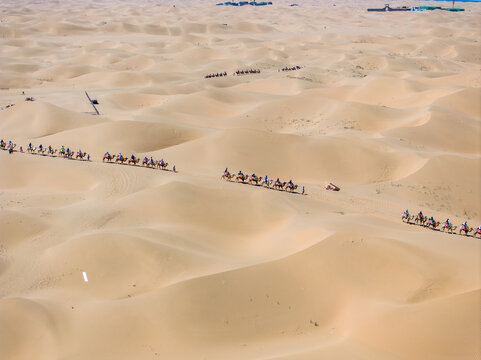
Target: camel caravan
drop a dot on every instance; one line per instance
(209, 76)
(247, 72)
(287, 68)
(431, 223)
(135, 161)
(261, 181)
(64, 152)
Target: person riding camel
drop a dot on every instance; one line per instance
(40, 147)
(290, 183)
(464, 225)
(106, 154)
(68, 150)
(265, 179)
(420, 215)
(253, 176)
(431, 220)
(120, 156)
(132, 157)
(2, 143)
(226, 171)
(278, 181)
(151, 161)
(447, 223)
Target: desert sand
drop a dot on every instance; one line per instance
(188, 266)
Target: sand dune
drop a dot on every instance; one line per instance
(185, 265)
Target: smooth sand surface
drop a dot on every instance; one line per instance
(188, 266)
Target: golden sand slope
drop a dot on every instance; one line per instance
(187, 266)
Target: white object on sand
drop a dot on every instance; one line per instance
(85, 276)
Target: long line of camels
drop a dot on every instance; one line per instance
(430, 223)
(250, 71)
(67, 153)
(261, 181)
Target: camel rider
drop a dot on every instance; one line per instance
(30, 145)
(253, 176)
(40, 147)
(2, 143)
(479, 229)
(132, 157)
(120, 156)
(278, 181)
(107, 155)
(431, 220)
(420, 215)
(161, 162)
(291, 183)
(465, 225)
(50, 148)
(68, 150)
(151, 160)
(406, 213)
(448, 223)
(9, 142)
(265, 179)
(226, 171)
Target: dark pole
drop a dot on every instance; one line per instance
(91, 103)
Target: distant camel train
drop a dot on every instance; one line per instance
(261, 181)
(423, 220)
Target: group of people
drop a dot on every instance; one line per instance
(430, 222)
(262, 181)
(245, 72)
(287, 68)
(7, 146)
(208, 76)
(133, 160)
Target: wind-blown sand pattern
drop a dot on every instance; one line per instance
(188, 266)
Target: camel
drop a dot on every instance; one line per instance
(227, 176)
(254, 179)
(41, 150)
(162, 164)
(80, 155)
(134, 161)
(120, 158)
(433, 224)
(31, 149)
(408, 218)
(52, 151)
(69, 154)
(241, 177)
(279, 185)
(267, 183)
(290, 187)
(466, 230)
(108, 157)
(449, 227)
